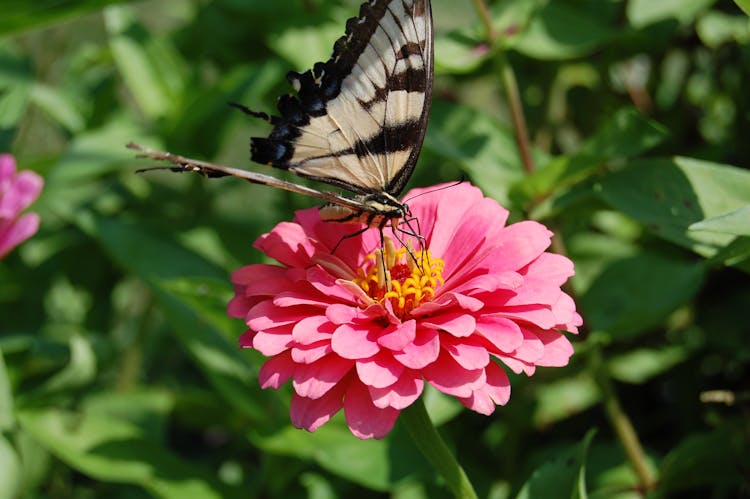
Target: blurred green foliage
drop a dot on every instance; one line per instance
(120, 374)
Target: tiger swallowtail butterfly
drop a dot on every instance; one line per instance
(357, 121)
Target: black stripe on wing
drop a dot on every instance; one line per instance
(323, 83)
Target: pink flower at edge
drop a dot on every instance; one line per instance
(17, 192)
(484, 295)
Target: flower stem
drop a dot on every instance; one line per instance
(510, 83)
(432, 446)
(623, 427)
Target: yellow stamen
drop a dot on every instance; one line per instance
(404, 277)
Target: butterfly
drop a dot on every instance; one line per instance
(357, 121)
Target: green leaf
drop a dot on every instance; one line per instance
(716, 28)
(702, 460)
(306, 44)
(644, 12)
(668, 196)
(458, 52)
(559, 31)
(16, 79)
(641, 365)
(744, 5)
(151, 68)
(558, 400)
(108, 448)
(563, 477)
(735, 222)
(80, 371)
(375, 464)
(6, 398)
(193, 295)
(480, 145)
(19, 15)
(10, 480)
(626, 134)
(635, 293)
(57, 105)
(334, 448)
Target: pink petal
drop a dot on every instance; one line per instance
(495, 392)
(288, 244)
(399, 336)
(399, 395)
(468, 356)
(379, 371)
(458, 324)
(266, 315)
(472, 240)
(449, 377)
(518, 245)
(354, 342)
(272, 341)
(17, 232)
(292, 298)
(538, 315)
(502, 333)
(308, 354)
(311, 414)
(550, 268)
(276, 371)
(328, 287)
(489, 283)
(312, 330)
(424, 350)
(7, 170)
(246, 339)
(566, 315)
(364, 419)
(19, 193)
(448, 300)
(557, 349)
(531, 348)
(316, 379)
(341, 314)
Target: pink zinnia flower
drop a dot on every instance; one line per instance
(483, 295)
(17, 192)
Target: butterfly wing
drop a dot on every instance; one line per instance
(358, 120)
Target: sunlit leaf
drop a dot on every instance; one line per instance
(564, 398)
(80, 370)
(560, 31)
(644, 12)
(6, 398)
(15, 87)
(735, 222)
(638, 366)
(19, 15)
(11, 470)
(150, 67)
(744, 5)
(668, 196)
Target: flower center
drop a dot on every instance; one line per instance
(404, 277)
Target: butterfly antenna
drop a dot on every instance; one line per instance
(449, 186)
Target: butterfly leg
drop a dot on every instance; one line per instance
(254, 114)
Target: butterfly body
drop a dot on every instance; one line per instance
(381, 209)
